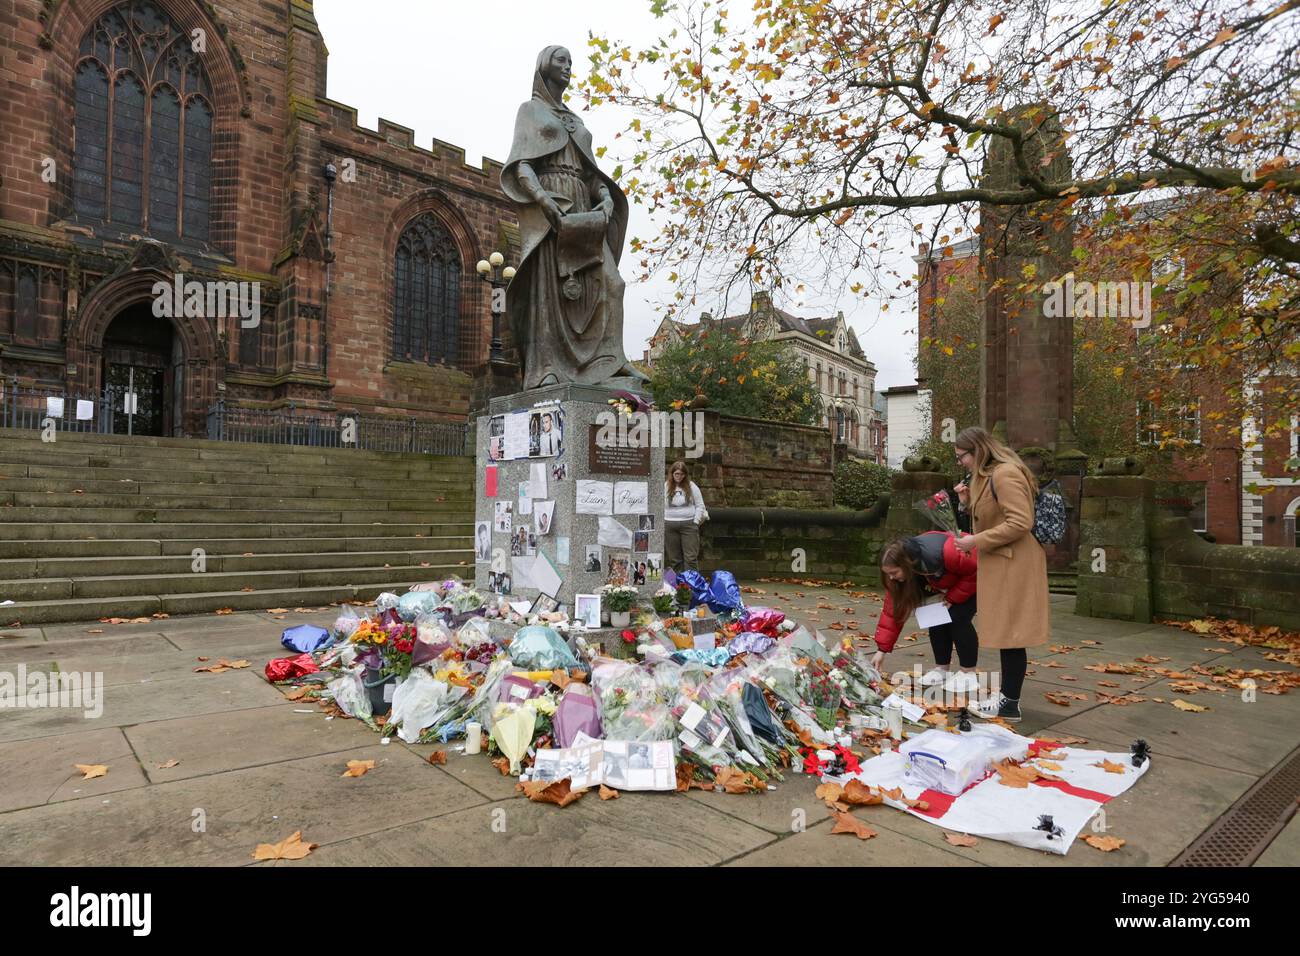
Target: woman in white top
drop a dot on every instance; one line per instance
(684, 512)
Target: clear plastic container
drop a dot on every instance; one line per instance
(950, 763)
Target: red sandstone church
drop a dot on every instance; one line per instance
(147, 139)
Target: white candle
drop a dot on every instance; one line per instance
(473, 738)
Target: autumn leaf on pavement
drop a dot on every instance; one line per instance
(91, 770)
(830, 791)
(502, 764)
(169, 764)
(290, 848)
(358, 768)
(739, 781)
(224, 610)
(859, 794)
(1062, 700)
(606, 793)
(557, 792)
(1191, 708)
(1106, 844)
(960, 839)
(438, 757)
(847, 823)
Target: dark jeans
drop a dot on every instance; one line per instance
(682, 544)
(960, 633)
(1014, 663)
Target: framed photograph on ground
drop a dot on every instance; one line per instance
(544, 604)
(586, 609)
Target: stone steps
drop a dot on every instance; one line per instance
(106, 526)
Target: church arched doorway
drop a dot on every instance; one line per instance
(144, 358)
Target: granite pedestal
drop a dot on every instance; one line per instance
(583, 410)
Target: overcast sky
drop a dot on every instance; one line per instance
(458, 71)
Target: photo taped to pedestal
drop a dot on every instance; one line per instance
(592, 565)
(483, 541)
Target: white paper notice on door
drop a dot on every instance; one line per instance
(631, 498)
(85, 410)
(932, 615)
(54, 407)
(594, 497)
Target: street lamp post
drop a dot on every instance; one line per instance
(490, 271)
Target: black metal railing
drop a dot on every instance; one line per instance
(39, 406)
(291, 425)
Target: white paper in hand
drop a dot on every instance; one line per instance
(932, 615)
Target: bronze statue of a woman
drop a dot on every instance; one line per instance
(566, 300)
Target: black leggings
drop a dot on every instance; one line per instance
(961, 632)
(1014, 663)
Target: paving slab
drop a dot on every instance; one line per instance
(630, 831)
(265, 735)
(1285, 848)
(42, 771)
(1233, 735)
(127, 704)
(817, 846)
(155, 825)
(473, 770)
(107, 647)
(777, 811)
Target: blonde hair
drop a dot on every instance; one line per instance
(989, 453)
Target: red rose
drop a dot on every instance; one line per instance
(629, 636)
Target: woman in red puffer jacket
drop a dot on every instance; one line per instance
(912, 569)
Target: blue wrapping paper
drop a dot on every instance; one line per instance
(539, 648)
(724, 593)
(305, 638)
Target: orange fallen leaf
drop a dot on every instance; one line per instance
(169, 764)
(739, 781)
(1106, 844)
(1065, 740)
(1049, 765)
(290, 848)
(438, 757)
(358, 768)
(830, 791)
(607, 793)
(277, 610)
(224, 610)
(1191, 708)
(1010, 775)
(91, 770)
(557, 792)
(859, 794)
(960, 839)
(1110, 766)
(1062, 700)
(847, 823)
(503, 765)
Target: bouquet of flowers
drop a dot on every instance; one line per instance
(618, 597)
(939, 510)
(464, 599)
(822, 689)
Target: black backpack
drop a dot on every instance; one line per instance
(1049, 512)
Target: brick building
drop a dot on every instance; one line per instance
(1204, 478)
(844, 377)
(148, 139)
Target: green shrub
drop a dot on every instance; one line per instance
(858, 484)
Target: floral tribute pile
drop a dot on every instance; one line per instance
(761, 698)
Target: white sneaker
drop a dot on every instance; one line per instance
(962, 682)
(934, 678)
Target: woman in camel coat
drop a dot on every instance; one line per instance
(1012, 576)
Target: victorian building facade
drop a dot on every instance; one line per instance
(155, 144)
(845, 379)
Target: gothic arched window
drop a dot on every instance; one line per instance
(426, 294)
(143, 143)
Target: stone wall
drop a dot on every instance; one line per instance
(752, 463)
(1138, 562)
(834, 545)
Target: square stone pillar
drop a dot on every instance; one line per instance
(1116, 576)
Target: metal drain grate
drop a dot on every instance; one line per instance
(1247, 828)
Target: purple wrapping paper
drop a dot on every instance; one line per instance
(577, 712)
(750, 643)
(530, 689)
